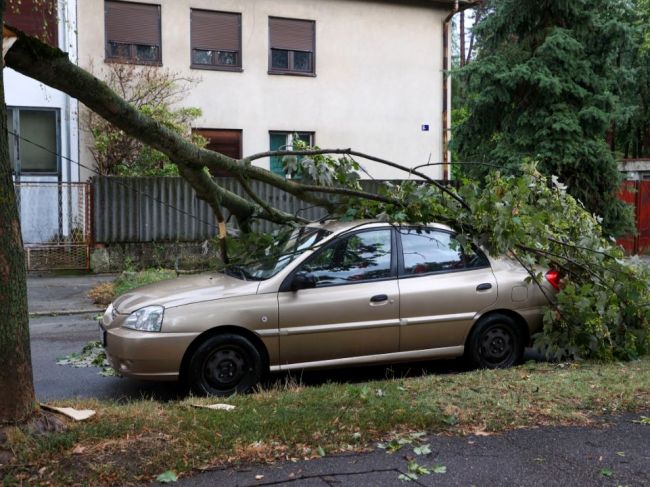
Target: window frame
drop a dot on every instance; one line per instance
(132, 59)
(286, 283)
(289, 143)
(401, 270)
(290, 62)
(237, 68)
(16, 166)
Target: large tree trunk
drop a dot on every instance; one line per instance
(16, 382)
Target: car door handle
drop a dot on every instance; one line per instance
(379, 298)
(484, 287)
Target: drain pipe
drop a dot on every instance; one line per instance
(445, 84)
(445, 91)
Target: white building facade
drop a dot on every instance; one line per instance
(358, 74)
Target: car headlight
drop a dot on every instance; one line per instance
(145, 319)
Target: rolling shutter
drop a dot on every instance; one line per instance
(133, 23)
(291, 34)
(34, 18)
(218, 31)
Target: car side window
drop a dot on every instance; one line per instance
(426, 250)
(363, 256)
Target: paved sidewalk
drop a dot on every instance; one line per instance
(62, 294)
(612, 454)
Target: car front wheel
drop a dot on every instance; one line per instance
(223, 365)
(495, 343)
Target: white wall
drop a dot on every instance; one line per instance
(378, 75)
(39, 205)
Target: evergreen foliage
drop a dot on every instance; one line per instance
(631, 134)
(544, 86)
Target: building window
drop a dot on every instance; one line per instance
(133, 32)
(292, 46)
(216, 40)
(284, 141)
(37, 18)
(226, 142)
(33, 141)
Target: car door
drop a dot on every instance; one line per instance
(353, 308)
(442, 287)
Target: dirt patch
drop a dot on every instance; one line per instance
(103, 293)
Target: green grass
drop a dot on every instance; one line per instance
(128, 281)
(136, 441)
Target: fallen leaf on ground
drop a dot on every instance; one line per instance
(439, 469)
(78, 450)
(76, 414)
(606, 472)
(167, 477)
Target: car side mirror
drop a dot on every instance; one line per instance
(303, 280)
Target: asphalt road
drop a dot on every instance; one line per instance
(55, 337)
(615, 453)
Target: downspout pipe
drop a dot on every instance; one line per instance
(445, 84)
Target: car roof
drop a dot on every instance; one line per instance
(337, 226)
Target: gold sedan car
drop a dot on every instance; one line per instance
(333, 294)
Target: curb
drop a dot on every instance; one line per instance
(37, 314)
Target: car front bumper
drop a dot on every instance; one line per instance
(146, 355)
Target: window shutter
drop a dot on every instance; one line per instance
(133, 23)
(218, 31)
(35, 19)
(292, 35)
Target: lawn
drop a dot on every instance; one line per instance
(135, 441)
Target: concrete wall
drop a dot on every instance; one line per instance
(378, 75)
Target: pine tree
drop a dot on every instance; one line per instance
(544, 87)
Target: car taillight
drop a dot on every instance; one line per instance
(553, 277)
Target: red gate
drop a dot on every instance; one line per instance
(637, 194)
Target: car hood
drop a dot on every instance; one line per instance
(184, 290)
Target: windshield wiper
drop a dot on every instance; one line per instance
(236, 271)
(240, 272)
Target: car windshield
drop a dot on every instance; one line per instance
(274, 259)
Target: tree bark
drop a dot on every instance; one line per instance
(17, 399)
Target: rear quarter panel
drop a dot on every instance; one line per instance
(526, 299)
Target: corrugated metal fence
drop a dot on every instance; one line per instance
(166, 209)
(146, 209)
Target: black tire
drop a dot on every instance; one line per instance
(223, 365)
(495, 343)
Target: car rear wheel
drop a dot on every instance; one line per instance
(224, 365)
(495, 343)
